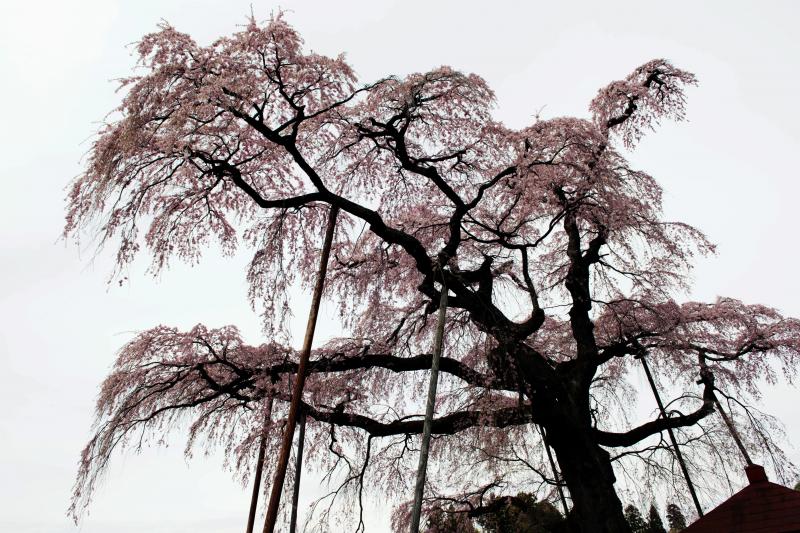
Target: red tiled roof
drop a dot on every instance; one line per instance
(760, 507)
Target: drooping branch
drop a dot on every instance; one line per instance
(639, 433)
(245, 138)
(407, 364)
(225, 168)
(449, 424)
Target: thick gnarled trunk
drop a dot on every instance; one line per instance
(586, 469)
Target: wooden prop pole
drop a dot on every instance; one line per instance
(431, 403)
(262, 445)
(707, 375)
(294, 406)
(732, 430)
(672, 438)
(556, 475)
(298, 470)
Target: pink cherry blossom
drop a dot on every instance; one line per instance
(560, 267)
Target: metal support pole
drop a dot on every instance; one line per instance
(298, 470)
(672, 438)
(294, 406)
(262, 446)
(422, 468)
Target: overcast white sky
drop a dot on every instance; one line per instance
(731, 170)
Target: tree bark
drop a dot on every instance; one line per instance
(554, 469)
(586, 469)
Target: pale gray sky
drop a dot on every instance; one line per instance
(730, 170)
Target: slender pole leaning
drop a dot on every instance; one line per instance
(298, 470)
(672, 438)
(556, 476)
(262, 446)
(431, 403)
(708, 377)
(294, 406)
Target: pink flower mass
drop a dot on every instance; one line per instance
(559, 265)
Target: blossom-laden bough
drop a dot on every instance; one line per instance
(560, 267)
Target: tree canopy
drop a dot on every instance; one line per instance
(521, 514)
(675, 518)
(654, 522)
(635, 520)
(560, 267)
